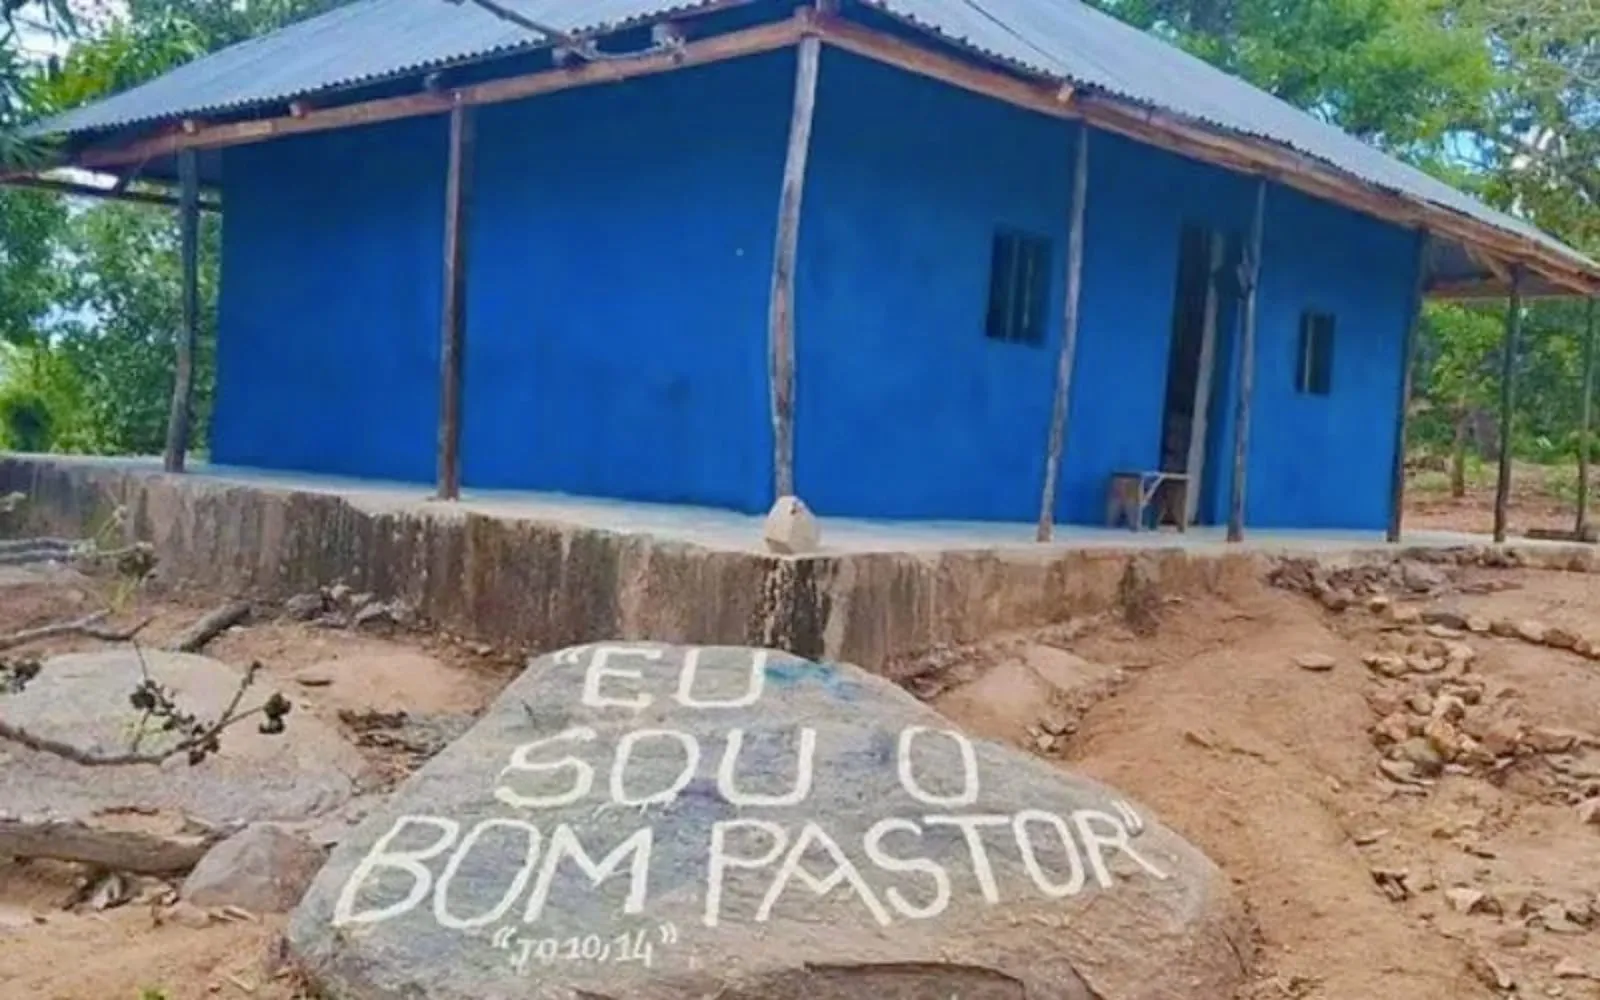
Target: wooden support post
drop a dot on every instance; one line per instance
(1584, 416)
(1069, 338)
(1508, 367)
(780, 310)
(1408, 359)
(457, 194)
(178, 416)
(1250, 280)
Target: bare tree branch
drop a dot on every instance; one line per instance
(88, 625)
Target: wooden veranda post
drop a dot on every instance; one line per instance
(1508, 367)
(1249, 279)
(453, 319)
(1397, 472)
(178, 417)
(780, 308)
(1069, 338)
(1584, 416)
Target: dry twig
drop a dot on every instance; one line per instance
(88, 625)
(195, 637)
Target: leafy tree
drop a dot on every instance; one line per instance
(1397, 72)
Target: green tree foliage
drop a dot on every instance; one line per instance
(89, 295)
(1395, 72)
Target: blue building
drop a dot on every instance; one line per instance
(607, 177)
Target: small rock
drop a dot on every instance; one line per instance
(1419, 663)
(339, 593)
(372, 613)
(1379, 603)
(1057, 724)
(1477, 624)
(1420, 702)
(187, 914)
(1448, 618)
(362, 599)
(1472, 754)
(1459, 652)
(1444, 632)
(1490, 973)
(1560, 638)
(1421, 578)
(1502, 737)
(1317, 662)
(1579, 912)
(1336, 600)
(112, 890)
(264, 868)
(1400, 771)
(311, 679)
(1449, 708)
(1386, 664)
(1368, 838)
(1465, 900)
(1391, 729)
(1555, 920)
(791, 528)
(1570, 968)
(1512, 936)
(1393, 883)
(1422, 756)
(1589, 812)
(1550, 739)
(1045, 742)
(1531, 631)
(303, 607)
(1444, 738)
(1404, 614)
(481, 649)
(1385, 700)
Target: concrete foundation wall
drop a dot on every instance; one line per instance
(546, 585)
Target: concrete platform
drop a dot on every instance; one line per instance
(548, 570)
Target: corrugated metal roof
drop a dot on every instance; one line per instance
(361, 42)
(1062, 40)
(1073, 43)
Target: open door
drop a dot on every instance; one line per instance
(1192, 360)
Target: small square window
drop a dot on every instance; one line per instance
(1313, 373)
(1019, 288)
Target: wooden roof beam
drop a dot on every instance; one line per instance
(303, 119)
(1164, 130)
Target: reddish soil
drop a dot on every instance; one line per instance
(1268, 767)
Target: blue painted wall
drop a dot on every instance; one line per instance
(619, 257)
(619, 277)
(327, 358)
(906, 409)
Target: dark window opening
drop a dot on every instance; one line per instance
(1019, 287)
(1313, 373)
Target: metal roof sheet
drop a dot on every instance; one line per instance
(1068, 41)
(1063, 40)
(361, 42)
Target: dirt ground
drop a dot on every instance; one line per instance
(1458, 881)
(1542, 497)
(128, 953)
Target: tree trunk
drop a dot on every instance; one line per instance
(1458, 456)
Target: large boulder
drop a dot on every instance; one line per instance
(82, 699)
(649, 821)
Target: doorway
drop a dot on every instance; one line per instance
(1192, 360)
